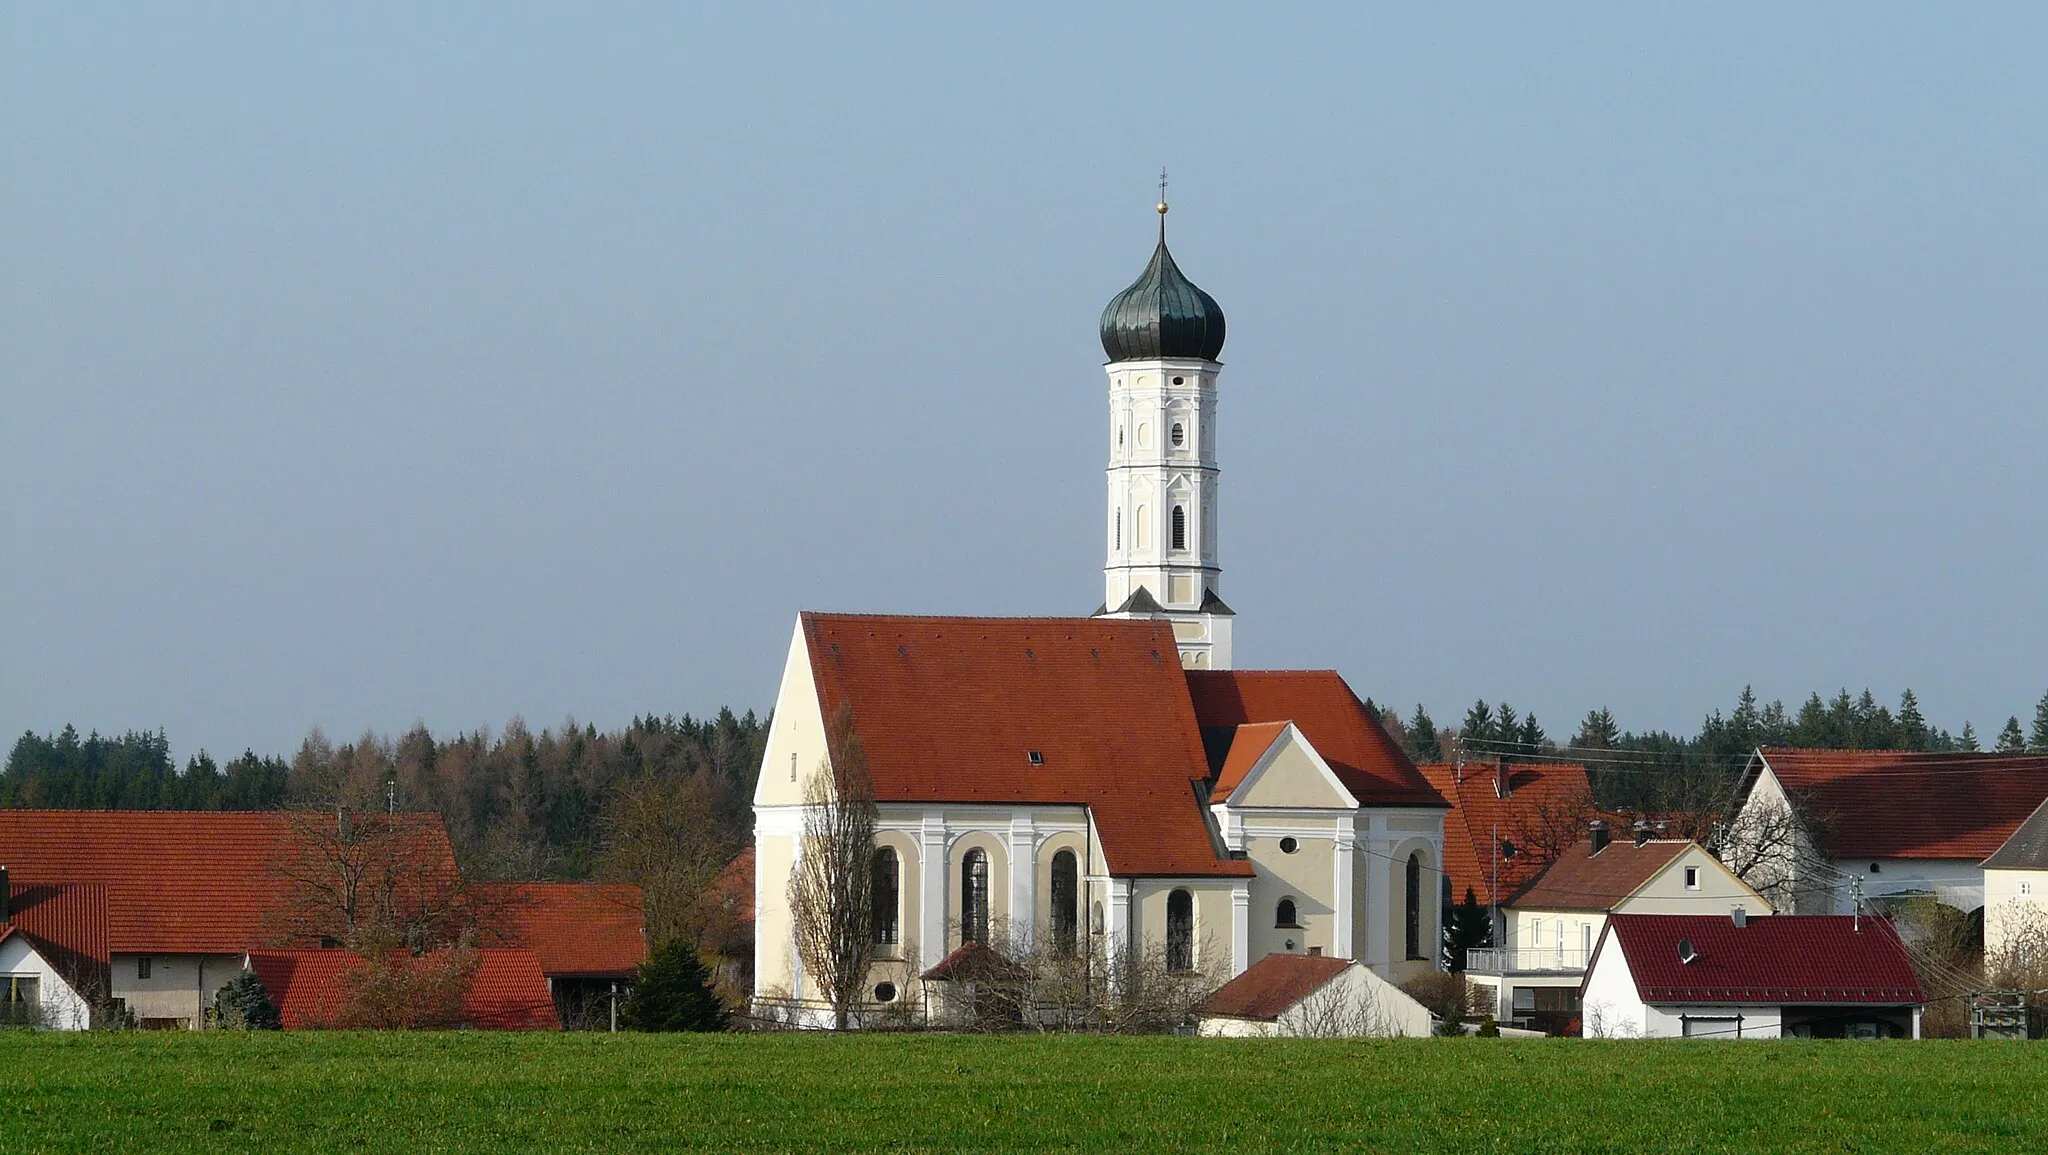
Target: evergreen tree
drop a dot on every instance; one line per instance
(1466, 927)
(1424, 745)
(2012, 739)
(672, 992)
(1598, 731)
(1532, 737)
(1913, 733)
(2038, 742)
(1968, 741)
(1478, 725)
(243, 1005)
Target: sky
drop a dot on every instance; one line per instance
(364, 365)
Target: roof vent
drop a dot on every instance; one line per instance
(1686, 954)
(1739, 917)
(1037, 757)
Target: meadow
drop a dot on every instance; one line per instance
(226, 1091)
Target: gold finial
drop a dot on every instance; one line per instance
(1162, 192)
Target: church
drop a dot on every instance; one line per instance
(1108, 784)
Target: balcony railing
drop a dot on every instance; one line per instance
(1525, 960)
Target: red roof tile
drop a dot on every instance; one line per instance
(573, 928)
(67, 922)
(733, 888)
(1247, 746)
(1908, 804)
(176, 881)
(1582, 880)
(507, 992)
(1477, 811)
(1814, 960)
(1369, 762)
(949, 710)
(1271, 985)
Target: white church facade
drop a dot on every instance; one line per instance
(1108, 784)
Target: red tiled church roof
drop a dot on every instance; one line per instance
(507, 993)
(1477, 810)
(176, 881)
(1367, 759)
(950, 710)
(1816, 960)
(1909, 804)
(1271, 985)
(573, 928)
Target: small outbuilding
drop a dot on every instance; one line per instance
(1723, 977)
(1312, 996)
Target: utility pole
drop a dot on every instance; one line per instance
(1856, 900)
(615, 1006)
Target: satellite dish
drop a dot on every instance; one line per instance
(1685, 952)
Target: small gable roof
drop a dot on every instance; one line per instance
(1814, 960)
(573, 928)
(1477, 810)
(2026, 848)
(1582, 880)
(1355, 744)
(1268, 987)
(507, 992)
(950, 709)
(974, 961)
(1247, 745)
(1908, 804)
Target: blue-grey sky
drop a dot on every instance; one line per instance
(369, 364)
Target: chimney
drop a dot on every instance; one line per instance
(1600, 835)
(1315, 952)
(1501, 787)
(1642, 832)
(1739, 917)
(6, 908)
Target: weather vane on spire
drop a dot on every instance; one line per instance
(1162, 204)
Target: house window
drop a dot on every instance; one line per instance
(1535, 932)
(1586, 939)
(19, 995)
(974, 896)
(1066, 901)
(887, 890)
(1180, 527)
(1284, 914)
(1180, 931)
(142, 967)
(1692, 878)
(2026, 887)
(1414, 900)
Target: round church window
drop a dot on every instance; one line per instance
(885, 992)
(1289, 846)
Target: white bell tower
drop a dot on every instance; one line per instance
(1163, 336)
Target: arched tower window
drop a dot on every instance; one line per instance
(974, 896)
(1180, 527)
(1066, 901)
(887, 890)
(1415, 906)
(1180, 931)
(1119, 530)
(1143, 539)
(1284, 914)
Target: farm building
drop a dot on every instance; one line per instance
(587, 938)
(1716, 976)
(1312, 996)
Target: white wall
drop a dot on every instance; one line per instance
(1357, 1003)
(2015, 911)
(179, 986)
(63, 1008)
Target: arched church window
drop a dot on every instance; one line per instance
(1414, 906)
(886, 889)
(1066, 901)
(1143, 538)
(1284, 914)
(1180, 931)
(1180, 435)
(1180, 527)
(974, 896)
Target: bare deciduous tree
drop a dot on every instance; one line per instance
(664, 834)
(831, 889)
(352, 873)
(1332, 1012)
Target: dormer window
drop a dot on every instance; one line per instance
(1036, 757)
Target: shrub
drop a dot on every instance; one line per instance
(673, 992)
(1447, 996)
(243, 1005)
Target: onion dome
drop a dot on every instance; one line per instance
(1162, 314)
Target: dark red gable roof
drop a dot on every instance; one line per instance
(574, 928)
(1909, 804)
(1271, 985)
(1369, 762)
(950, 710)
(1812, 960)
(67, 924)
(507, 993)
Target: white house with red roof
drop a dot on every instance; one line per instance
(1109, 783)
(1731, 977)
(1886, 824)
(50, 940)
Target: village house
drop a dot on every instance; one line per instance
(1734, 977)
(1312, 996)
(1507, 822)
(1819, 828)
(2016, 896)
(1551, 923)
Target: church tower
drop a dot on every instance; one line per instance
(1163, 336)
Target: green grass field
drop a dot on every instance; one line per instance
(421, 1092)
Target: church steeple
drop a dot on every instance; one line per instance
(1163, 335)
